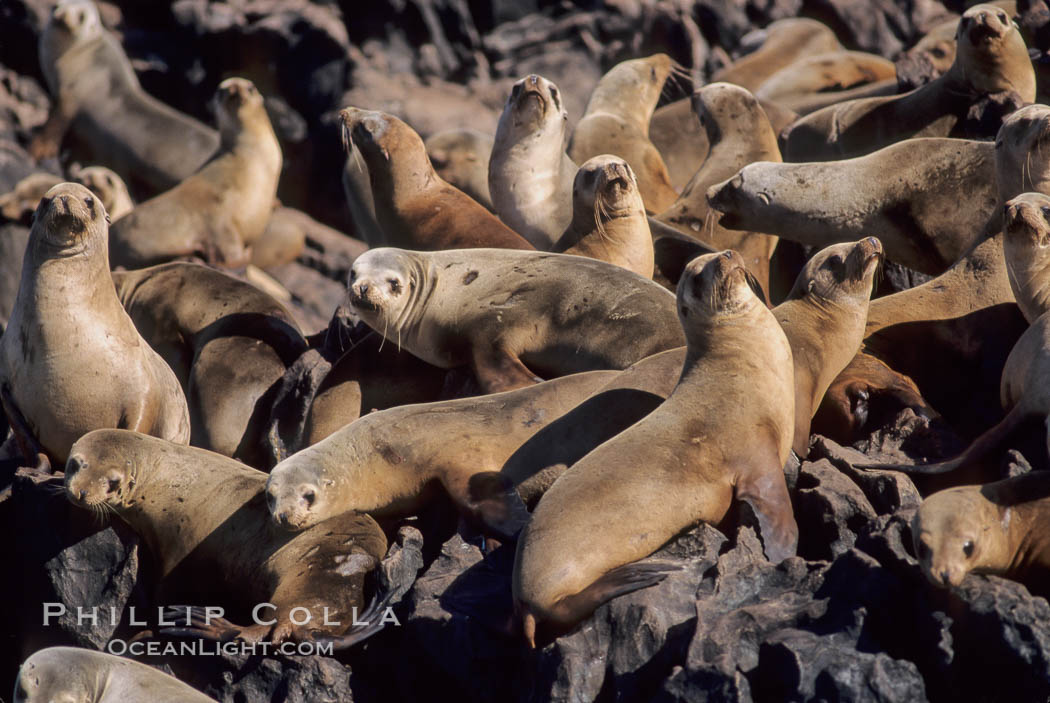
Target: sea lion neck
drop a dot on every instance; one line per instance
(422, 281)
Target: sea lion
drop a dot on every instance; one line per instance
(109, 187)
(227, 342)
(98, 96)
(20, 203)
(834, 71)
(71, 360)
(530, 175)
(724, 433)
(804, 105)
(203, 518)
(416, 208)
(991, 58)
(739, 133)
(514, 317)
(357, 190)
(997, 528)
(218, 212)
(608, 217)
(906, 194)
(1026, 238)
(85, 676)
(284, 238)
(461, 157)
(617, 122)
(787, 41)
(392, 463)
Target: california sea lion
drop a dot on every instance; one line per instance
(218, 212)
(906, 194)
(815, 101)
(97, 94)
(530, 175)
(203, 518)
(724, 433)
(461, 157)
(85, 676)
(787, 41)
(991, 58)
(109, 187)
(515, 317)
(998, 528)
(617, 122)
(823, 73)
(227, 342)
(416, 208)
(71, 360)
(20, 203)
(739, 133)
(608, 217)
(1026, 238)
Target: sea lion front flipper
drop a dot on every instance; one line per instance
(48, 138)
(766, 494)
(498, 370)
(197, 623)
(27, 443)
(495, 503)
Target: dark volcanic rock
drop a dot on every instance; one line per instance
(830, 509)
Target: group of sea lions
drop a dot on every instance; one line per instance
(607, 291)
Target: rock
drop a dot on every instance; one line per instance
(24, 106)
(830, 509)
(887, 491)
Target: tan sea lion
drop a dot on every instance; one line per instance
(739, 133)
(71, 360)
(109, 187)
(85, 676)
(227, 342)
(97, 95)
(787, 41)
(617, 122)
(1026, 238)
(823, 73)
(203, 518)
(20, 203)
(991, 58)
(997, 528)
(284, 238)
(906, 194)
(514, 317)
(461, 157)
(806, 104)
(530, 175)
(608, 217)
(729, 421)
(218, 212)
(415, 208)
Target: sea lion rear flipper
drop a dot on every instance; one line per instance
(766, 494)
(498, 370)
(495, 504)
(195, 622)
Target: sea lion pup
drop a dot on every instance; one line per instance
(203, 518)
(530, 175)
(684, 463)
(834, 71)
(85, 676)
(71, 360)
(227, 342)
(218, 212)
(739, 133)
(787, 41)
(991, 58)
(617, 122)
(1026, 249)
(394, 462)
(608, 217)
(98, 96)
(514, 317)
(461, 157)
(906, 194)
(998, 528)
(109, 187)
(415, 208)
(19, 204)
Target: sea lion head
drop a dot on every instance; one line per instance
(237, 101)
(605, 188)
(1021, 149)
(294, 496)
(388, 146)
(108, 186)
(1027, 224)
(951, 532)
(840, 273)
(534, 106)
(632, 87)
(743, 196)
(721, 107)
(991, 56)
(380, 288)
(715, 287)
(102, 469)
(55, 675)
(76, 19)
(70, 218)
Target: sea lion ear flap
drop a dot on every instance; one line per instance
(752, 281)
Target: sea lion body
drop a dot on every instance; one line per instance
(71, 357)
(787, 41)
(511, 315)
(218, 212)
(830, 72)
(461, 157)
(729, 420)
(87, 676)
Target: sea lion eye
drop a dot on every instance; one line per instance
(554, 95)
(922, 551)
(1046, 211)
(1002, 17)
(968, 548)
(395, 286)
(937, 52)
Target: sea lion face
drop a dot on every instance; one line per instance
(719, 105)
(108, 186)
(949, 531)
(69, 216)
(46, 679)
(1027, 224)
(715, 286)
(295, 499)
(101, 470)
(743, 193)
(534, 105)
(606, 186)
(236, 100)
(1022, 147)
(840, 273)
(379, 287)
(988, 47)
(370, 131)
(77, 19)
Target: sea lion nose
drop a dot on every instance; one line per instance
(362, 289)
(727, 254)
(533, 79)
(945, 577)
(82, 494)
(873, 241)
